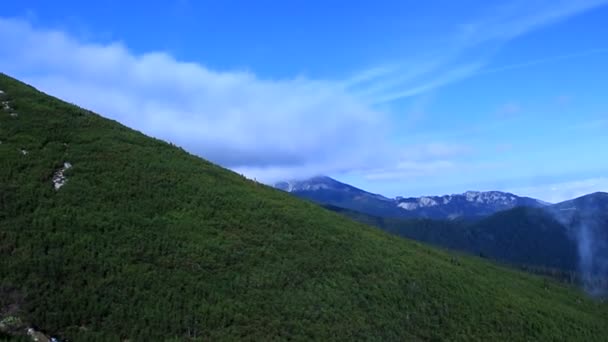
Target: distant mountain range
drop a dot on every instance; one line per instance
(568, 239)
(471, 204)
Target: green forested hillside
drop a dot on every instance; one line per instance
(148, 243)
(521, 236)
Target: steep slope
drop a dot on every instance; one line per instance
(597, 201)
(526, 236)
(146, 242)
(470, 205)
(568, 241)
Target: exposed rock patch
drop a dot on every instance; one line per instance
(59, 178)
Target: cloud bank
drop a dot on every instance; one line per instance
(264, 128)
(272, 129)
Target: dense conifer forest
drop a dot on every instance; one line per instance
(146, 242)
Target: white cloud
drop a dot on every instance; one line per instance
(557, 192)
(428, 161)
(269, 129)
(233, 118)
(408, 170)
(436, 150)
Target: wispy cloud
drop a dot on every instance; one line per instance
(436, 150)
(512, 19)
(415, 170)
(449, 76)
(426, 160)
(543, 61)
(460, 57)
(408, 170)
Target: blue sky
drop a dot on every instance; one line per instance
(397, 97)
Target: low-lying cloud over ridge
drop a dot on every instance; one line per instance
(261, 127)
(275, 129)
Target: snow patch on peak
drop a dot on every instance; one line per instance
(490, 197)
(417, 203)
(471, 196)
(480, 200)
(427, 202)
(408, 205)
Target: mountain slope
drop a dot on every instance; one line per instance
(526, 236)
(568, 240)
(146, 242)
(591, 207)
(520, 236)
(587, 220)
(472, 204)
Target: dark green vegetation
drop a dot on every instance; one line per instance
(543, 241)
(147, 242)
(521, 236)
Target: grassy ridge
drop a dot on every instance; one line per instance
(148, 242)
